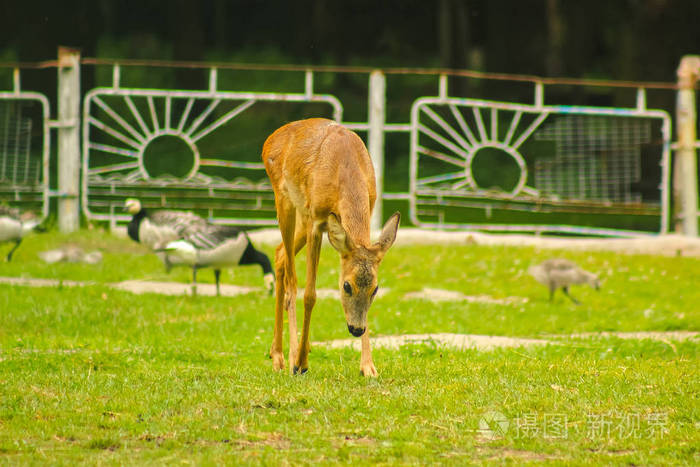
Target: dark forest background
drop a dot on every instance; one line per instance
(615, 39)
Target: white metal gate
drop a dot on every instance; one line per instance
(24, 167)
(122, 126)
(579, 159)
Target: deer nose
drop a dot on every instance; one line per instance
(357, 332)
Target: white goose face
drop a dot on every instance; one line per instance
(132, 206)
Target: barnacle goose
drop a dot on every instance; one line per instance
(561, 273)
(183, 238)
(14, 225)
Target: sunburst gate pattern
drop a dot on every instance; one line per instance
(468, 153)
(179, 148)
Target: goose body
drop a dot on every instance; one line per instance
(561, 273)
(183, 238)
(71, 254)
(14, 226)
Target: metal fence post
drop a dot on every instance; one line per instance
(376, 119)
(686, 161)
(68, 139)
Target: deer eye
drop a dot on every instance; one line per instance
(376, 289)
(347, 288)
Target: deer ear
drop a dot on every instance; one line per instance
(338, 236)
(388, 235)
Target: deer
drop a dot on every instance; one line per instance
(323, 181)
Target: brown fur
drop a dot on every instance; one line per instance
(323, 181)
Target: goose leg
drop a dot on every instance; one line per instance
(9, 255)
(194, 281)
(217, 277)
(566, 292)
(552, 289)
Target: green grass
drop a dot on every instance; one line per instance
(96, 375)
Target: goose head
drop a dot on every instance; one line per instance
(132, 206)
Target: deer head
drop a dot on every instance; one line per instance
(359, 264)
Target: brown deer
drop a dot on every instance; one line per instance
(323, 181)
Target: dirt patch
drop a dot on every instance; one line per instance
(653, 335)
(458, 341)
(668, 245)
(493, 453)
(480, 342)
(167, 288)
(275, 440)
(203, 318)
(440, 295)
(43, 282)
(179, 288)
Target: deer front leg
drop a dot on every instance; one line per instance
(313, 251)
(366, 365)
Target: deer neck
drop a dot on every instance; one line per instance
(354, 211)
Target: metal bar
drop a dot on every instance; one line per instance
(442, 86)
(113, 167)
(15, 81)
(232, 164)
(118, 119)
(154, 116)
(463, 125)
(376, 118)
(494, 124)
(213, 79)
(539, 94)
(360, 69)
(185, 114)
(513, 125)
(116, 76)
(442, 156)
(222, 121)
(137, 116)
(112, 132)
(397, 196)
(480, 123)
(5, 142)
(113, 150)
(308, 84)
(445, 126)
(168, 103)
(199, 120)
(27, 160)
(449, 145)
(641, 99)
(441, 178)
(530, 129)
(18, 128)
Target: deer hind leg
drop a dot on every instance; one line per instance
(313, 250)
(276, 353)
(285, 287)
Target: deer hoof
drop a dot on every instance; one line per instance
(369, 371)
(300, 371)
(277, 361)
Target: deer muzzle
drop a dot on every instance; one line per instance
(356, 331)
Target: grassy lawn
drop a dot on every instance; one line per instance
(96, 375)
